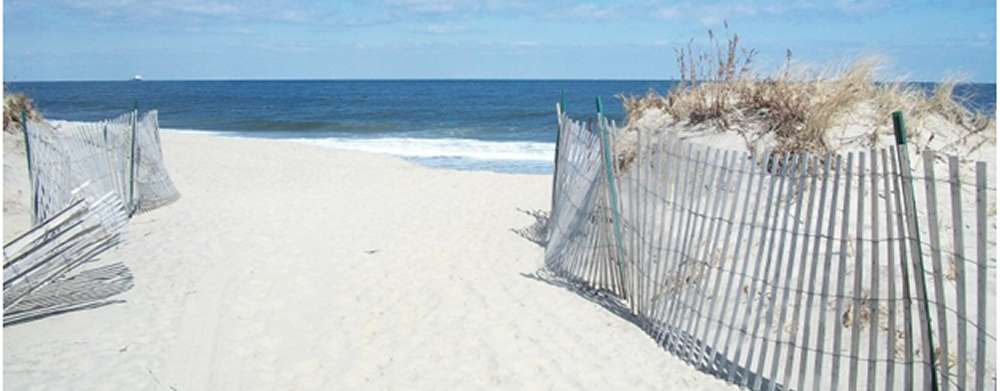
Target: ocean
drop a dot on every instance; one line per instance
(495, 125)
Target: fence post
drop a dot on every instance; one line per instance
(899, 128)
(560, 109)
(31, 174)
(131, 182)
(562, 100)
(612, 192)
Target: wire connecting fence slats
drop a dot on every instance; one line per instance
(784, 271)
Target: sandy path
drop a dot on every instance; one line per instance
(261, 277)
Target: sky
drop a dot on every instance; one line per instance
(491, 39)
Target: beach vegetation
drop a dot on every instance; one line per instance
(799, 107)
(13, 105)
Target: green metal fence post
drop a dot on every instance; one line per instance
(131, 181)
(612, 191)
(562, 100)
(31, 173)
(899, 128)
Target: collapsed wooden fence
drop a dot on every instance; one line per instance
(786, 271)
(36, 261)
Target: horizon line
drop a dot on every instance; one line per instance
(404, 79)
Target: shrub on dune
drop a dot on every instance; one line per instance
(13, 105)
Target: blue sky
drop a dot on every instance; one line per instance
(252, 39)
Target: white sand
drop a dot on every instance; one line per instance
(259, 278)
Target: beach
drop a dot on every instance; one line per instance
(293, 266)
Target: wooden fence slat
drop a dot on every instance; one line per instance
(748, 312)
(935, 247)
(691, 293)
(649, 224)
(713, 254)
(774, 259)
(687, 219)
(858, 275)
(678, 305)
(683, 162)
(904, 274)
(920, 277)
(824, 293)
(643, 263)
(648, 194)
(981, 259)
(958, 247)
(669, 187)
(710, 291)
(888, 179)
(710, 322)
(803, 360)
(676, 215)
(873, 309)
(841, 271)
(802, 173)
(631, 212)
(814, 174)
(731, 373)
(723, 326)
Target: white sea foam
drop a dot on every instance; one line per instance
(527, 151)
(444, 147)
(519, 157)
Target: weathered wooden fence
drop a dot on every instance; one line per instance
(122, 155)
(791, 271)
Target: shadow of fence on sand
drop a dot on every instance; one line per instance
(537, 232)
(714, 363)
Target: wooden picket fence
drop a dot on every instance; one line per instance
(786, 271)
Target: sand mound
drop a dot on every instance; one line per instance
(724, 102)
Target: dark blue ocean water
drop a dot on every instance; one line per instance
(498, 125)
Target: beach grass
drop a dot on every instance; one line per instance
(798, 105)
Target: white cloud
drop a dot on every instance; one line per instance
(233, 9)
(860, 6)
(667, 12)
(711, 13)
(452, 7)
(591, 11)
(445, 28)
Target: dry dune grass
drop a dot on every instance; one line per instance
(13, 106)
(800, 108)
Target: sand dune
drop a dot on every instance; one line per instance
(289, 266)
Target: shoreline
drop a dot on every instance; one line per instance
(518, 157)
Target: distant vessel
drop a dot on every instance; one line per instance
(137, 78)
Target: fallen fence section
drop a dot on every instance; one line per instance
(87, 289)
(79, 233)
(121, 155)
(786, 271)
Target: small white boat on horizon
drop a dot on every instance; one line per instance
(137, 78)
